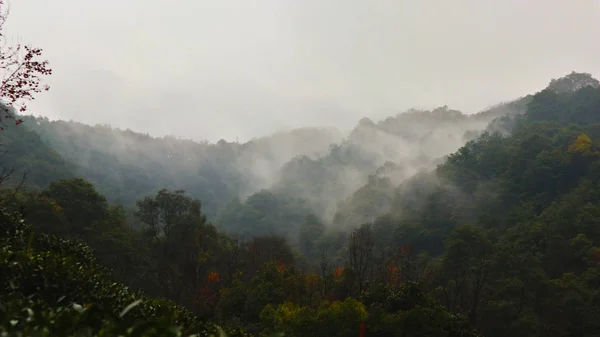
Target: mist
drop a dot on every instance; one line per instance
(230, 70)
(344, 178)
(303, 102)
(393, 149)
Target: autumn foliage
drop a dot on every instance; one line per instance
(22, 70)
(213, 277)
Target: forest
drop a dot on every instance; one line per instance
(429, 223)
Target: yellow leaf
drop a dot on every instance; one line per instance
(582, 144)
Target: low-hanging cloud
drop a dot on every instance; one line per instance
(234, 69)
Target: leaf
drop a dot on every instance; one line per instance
(78, 307)
(129, 307)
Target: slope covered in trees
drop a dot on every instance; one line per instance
(317, 167)
(26, 158)
(500, 239)
(127, 166)
(333, 185)
(513, 220)
(55, 287)
(55, 282)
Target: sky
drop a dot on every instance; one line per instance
(237, 69)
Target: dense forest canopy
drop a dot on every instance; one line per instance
(320, 166)
(428, 223)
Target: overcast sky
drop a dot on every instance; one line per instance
(240, 68)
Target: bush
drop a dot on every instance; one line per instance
(54, 287)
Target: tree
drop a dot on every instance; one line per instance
(162, 212)
(360, 249)
(311, 229)
(82, 205)
(266, 249)
(573, 82)
(582, 144)
(52, 286)
(184, 248)
(21, 70)
(465, 266)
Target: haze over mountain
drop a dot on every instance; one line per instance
(230, 69)
(300, 168)
(497, 238)
(270, 184)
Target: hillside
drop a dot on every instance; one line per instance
(127, 166)
(320, 167)
(342, 179)
(500, 238)
(392, 149)
(26, 159)
(514, 220)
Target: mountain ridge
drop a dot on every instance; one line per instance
(321, 166)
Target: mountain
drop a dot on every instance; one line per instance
(394, 149)
(126, 166)
(513, 220)
(500, 237)
(414, 141)
(334, 176)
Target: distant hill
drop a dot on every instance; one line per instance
(126, 166)
(344, 179)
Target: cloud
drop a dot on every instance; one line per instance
(227, 69)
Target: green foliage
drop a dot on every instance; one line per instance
(410, 312)
(25, 152)
(80, 202)
(311, 231)
(524, 267)
(53, 286)
(368, 202)
(264, 213)
(501, 239)
(329, 319)
(579, 106)
(127, 166)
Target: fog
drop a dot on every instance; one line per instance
(237, 70)
(269, 184)
(395, 148)
(301, 98)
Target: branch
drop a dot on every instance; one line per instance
(21, 73)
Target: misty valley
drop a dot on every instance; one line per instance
(426, 223)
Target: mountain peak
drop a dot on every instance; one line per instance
(573, 82)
